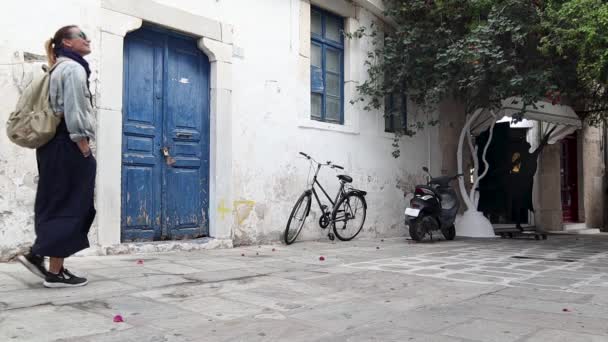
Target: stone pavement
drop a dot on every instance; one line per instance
(364, 290)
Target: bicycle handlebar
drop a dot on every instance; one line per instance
(328, 163)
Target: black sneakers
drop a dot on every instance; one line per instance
(64, 279)
(34, 263)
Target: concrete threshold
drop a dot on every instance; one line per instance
(159, 247)
(577, 228)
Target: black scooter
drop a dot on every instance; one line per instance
(434, 207)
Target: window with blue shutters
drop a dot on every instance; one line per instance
(326, 66)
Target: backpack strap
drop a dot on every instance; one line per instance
(59, 61)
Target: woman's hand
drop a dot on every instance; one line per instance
(83, 145)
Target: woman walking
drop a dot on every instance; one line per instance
(64, 209)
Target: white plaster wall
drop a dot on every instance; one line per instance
(270, 118)
(24, 30)
(271, 108)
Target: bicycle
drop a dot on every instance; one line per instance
(349, 205)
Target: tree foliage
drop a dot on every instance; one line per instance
(484, 51)
(576, 42)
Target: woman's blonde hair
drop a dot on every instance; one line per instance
(55, 42)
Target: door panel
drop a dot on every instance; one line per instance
(142, 134)
(187, 139)
(165, 137)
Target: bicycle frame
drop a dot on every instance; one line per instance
(328, 216)
(314, 191)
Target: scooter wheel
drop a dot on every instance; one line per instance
(449, 232)
(416, 232)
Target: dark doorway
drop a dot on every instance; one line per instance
(497, 189)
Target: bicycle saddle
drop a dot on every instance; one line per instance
(345, 178)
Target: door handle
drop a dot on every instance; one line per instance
(184, 135)
(168, 159)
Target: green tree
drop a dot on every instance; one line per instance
(484, 51)
(576, 41)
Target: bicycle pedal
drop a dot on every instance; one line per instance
(331, 236)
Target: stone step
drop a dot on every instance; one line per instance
(577, 228)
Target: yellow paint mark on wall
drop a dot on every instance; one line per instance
(222, 210)
(242, 210)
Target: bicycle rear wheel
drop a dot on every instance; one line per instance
(297, 218)
(348, 216)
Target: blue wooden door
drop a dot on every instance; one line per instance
(165, 171)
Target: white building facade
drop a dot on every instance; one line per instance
(271, 78)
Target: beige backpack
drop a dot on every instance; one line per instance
(33, 124)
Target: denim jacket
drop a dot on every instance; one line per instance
(69, 95)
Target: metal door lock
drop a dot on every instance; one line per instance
(168, 159)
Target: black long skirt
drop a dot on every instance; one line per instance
(64, 209)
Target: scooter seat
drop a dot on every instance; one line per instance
(345, 178)
(429, 190)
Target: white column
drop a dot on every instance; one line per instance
(220, 173)
(109, 124)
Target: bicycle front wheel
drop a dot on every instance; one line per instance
(348, 216)
(297, 218)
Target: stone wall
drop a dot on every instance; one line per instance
(549, 208)
(594, 176)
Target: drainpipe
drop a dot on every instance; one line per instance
(605, 146)
(430, 146)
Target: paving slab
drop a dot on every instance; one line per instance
(47, 323)
(447, 291)
(344, 316)
(563, 336)
(8, 283)
(486, 330)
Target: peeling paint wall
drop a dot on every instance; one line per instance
(21, 57)
(270, 119)
(272, 125)
(17, 166)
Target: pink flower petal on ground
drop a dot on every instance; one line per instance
(565, 310)
(118, 319)
(274, 250)
(140, 262)
(322, 258)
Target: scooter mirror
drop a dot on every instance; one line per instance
(425, 169)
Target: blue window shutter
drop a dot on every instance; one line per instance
(319, 69)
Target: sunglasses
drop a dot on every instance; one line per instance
(77, 35)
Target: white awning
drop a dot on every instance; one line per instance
(542, 111)
(549, 115)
